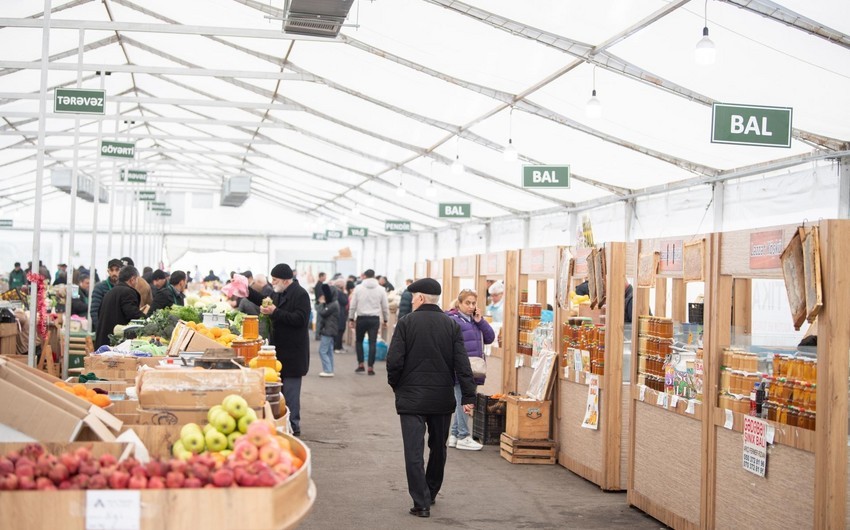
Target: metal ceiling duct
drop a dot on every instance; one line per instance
(235, 190)
(317, 18)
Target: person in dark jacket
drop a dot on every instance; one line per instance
(385, 283)
(342, 300)
(120, 305)
(404, 305)
(171, 294)
(100, 290)
(328, 322)
(425, 356)
(290, 315)
(17, 278)
(476, 332)
(80, 305)
(317, 292)
(159, 279)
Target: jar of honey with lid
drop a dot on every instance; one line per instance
(250, 327)
(267, 358)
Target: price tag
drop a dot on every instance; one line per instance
(662, 399)
(566, 372)
(643, 392)
(690, 408)
(518, 361)
(730, 419)
(674, 400)
(770, 432)
(578, 376)
(113, 510)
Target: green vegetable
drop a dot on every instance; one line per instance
(186, 313)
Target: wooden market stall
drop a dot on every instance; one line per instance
(598, 454)
(441, 270)
(805, 482)
(665, 464)
(494, 267)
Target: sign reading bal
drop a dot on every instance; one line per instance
(751, 125)
(333, 234)
(545, 176)
(455, 210)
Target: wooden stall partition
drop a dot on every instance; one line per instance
(492, 267)
(420, 270)
(665, 432)
(510, 322)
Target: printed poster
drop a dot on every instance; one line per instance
(591, 414)
(755, 445)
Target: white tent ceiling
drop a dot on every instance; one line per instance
(215, 89)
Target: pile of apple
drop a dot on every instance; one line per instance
(227, 422)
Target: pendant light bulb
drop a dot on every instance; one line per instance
(431, 190)
(457, 166)
(593, 109)
(510, 153)
(705, 53)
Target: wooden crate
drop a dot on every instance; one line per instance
(527, 419)
(518, 451)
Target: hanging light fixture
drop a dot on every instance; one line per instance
(705, 53)
(457, 166)
(510, 153)
(400, 191)
(593, 108)
(431, 190)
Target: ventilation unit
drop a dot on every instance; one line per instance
(317, 18)
(235, 190)
(61, 179)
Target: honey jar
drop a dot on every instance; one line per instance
(267, 358)
(250, 327)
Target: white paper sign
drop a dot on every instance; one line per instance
(566, 372)
(771, 432)
(578, 376)
(674, 400)
(691, 406)
(661, 401)
(591, 413)
(643, 392)
(113, 510)
(730, 419)
(755, 445)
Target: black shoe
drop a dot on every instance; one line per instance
(420, 512)
(296, 433)
(360, 369)
(371, 371)
(433, 501)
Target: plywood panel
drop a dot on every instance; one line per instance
(576, 443)
(736, 249)
(464, 266)
(631, 260)
(493, 264)
(539, 261)
(784, 499)
(667, 461)
(624, 435)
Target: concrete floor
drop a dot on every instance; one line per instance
(350, 424)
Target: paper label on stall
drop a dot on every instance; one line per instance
(578, 376)
(113, 509)
(674, 400)
(577, 362)
(662, 400)
(566, 372)
(643, 392)
(519, 360)
(591, 413)
(770, 433)
(691, 406)
(755, 445)
(730, 419)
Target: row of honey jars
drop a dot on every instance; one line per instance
(530, 310)
(528, 323)
(651, 365)
(738, 360)
(654, 346)
(795, 368)
(794, 393)
(793, 416)
(657, 326)
(738, 383)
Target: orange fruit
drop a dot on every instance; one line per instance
(90, 393)
(101, 400)
(60, 384)
(79, 390)
(297, 462)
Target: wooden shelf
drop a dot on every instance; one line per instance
(651, 398)
(802, 439)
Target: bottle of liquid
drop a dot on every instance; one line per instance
(760, 397)
(753, 398)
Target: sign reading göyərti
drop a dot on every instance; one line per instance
(117, 149)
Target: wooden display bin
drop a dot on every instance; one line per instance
(8, 338)
(527, 419)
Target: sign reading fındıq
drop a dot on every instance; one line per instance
(458, 210)
(135, 175)
(545, 176)
(357, 231)
(397, 226)
(755, 445)
(117, 149)
(751, 125)
(78, 101)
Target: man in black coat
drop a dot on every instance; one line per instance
(425, 356)
(120, 305)
(290, 317)
(171, 294)
(342, 300)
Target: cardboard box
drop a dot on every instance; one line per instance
(185, 339)
(117, 367)
(113, 387)
(527, 419)
(195, 389)
(9, 329)
(283, 506)
(177, 417)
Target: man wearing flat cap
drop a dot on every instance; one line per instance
(290, 317)
(425, 355)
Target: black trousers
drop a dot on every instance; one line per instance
(343, 325)
(370, 325)
(424, 483)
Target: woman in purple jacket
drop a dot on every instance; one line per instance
(476, 333)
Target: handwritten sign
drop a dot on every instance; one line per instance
(672, 257)
(755, 445)
(765, 249)
(113, 509)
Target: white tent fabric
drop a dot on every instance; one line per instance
(330, 129)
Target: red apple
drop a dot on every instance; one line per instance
(107, 460)
(156, 468)
(58, 473)
(174, 479)
(137, 482)
(245, 450)
(248, 480)
(44, 484)
(13, 456)
(266, 479)
(119, 479)
(11, 482)
(108, 470)
(192, 482)
(26, 482)
(223, 478)
(68, 485)
(97, 482)
(7, 467)
(88, 467)
(70, 461)
(270, 453)
(284, 469)
(24, 470)
(83, 453)
(82, 481)
(201, 471)
(128, 465)
(139, 470)
(33, 451)
(156, 483)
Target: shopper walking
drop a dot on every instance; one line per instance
(290, 317)
(364, 315)
(317, 292)
(425, 355)
(328, 319)
(476, 332)
(404, 305)
(17, 277)
(100, 290)
(171, 294)
(342, 301)
(120, 305)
